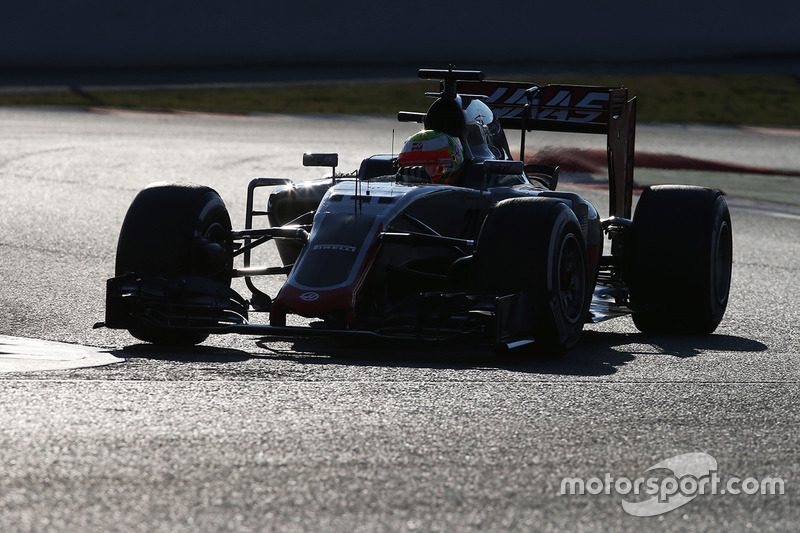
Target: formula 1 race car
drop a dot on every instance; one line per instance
(449, 239)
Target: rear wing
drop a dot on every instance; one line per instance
(570, 108)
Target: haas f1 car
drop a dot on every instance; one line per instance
(449, 239)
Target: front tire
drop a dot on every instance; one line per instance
(535, 246)
(171, 230)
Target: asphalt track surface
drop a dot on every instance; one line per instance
(253, 434)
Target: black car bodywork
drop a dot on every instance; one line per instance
(499, 258)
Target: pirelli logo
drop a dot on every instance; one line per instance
(335, 247)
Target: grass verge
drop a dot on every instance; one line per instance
(718, 99)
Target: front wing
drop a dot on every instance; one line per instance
(203, 305)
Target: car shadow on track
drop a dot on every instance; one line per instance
(323, 351)
(580, 361)
(197, 354)
(598, 353)
(685, 346)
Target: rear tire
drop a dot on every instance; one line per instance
(535, 245)
(682, 260)
(172, 230)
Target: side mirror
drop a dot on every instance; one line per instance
(547, 176)
(321, 160)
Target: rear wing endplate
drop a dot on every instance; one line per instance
(570, 108)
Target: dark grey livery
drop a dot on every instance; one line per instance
(499, 257)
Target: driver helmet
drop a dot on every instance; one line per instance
(441, 155)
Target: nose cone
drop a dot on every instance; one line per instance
(314, 302)
(331, 267)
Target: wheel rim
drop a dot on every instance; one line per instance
(216, 233)
(211, 251)
(571, 279)
(723, 258)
